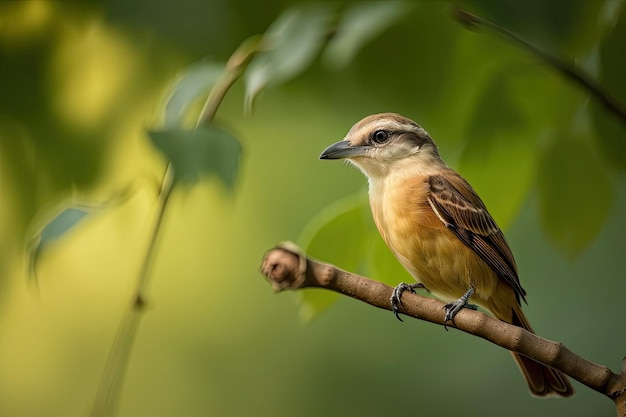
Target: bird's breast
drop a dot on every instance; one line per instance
(422, 243)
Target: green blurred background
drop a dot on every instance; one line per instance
(80, 82)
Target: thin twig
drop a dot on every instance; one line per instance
(567, 69)
(110, 387)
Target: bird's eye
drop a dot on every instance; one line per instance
(380, 136)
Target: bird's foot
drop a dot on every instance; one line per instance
(396, 296)
(452, 309)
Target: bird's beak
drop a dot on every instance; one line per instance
(343, 149)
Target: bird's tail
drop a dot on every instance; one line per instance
(542, 381)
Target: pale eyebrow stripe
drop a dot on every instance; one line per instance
(387, 124)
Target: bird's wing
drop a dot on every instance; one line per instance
(458, 206)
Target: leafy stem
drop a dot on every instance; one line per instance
(109, 390)
(236, 65)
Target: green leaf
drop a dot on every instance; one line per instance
(292, 43)
(64, 221)
(60, 225)
(611, 136)
(576, 196)
(335, 235)
(499, 158)
(360, 23)
(195, 82)
(205, 151)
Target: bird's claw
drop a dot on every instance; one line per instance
(452, 309)
(396, 296)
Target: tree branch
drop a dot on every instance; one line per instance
(287, 267)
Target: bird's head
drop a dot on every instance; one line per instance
(384, 143)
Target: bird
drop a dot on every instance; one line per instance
(439, 229)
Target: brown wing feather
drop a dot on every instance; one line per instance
(462, 211)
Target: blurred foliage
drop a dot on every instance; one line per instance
(195, 83)
(194, 153)
(336, 235)
(359, 23)
(84, 83)
(291, 43)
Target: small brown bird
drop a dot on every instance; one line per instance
(439, 229)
